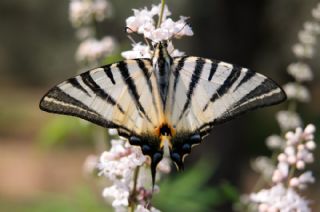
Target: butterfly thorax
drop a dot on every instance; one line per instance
(162, 61)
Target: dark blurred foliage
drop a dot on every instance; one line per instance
(37, 45)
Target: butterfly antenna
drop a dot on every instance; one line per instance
(149, 44)
(129, 30)
(187, 23)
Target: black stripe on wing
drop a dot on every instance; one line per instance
(108, 72)
(96, 89)
(74, 82)
(214, 66)
(176, 74)
(193, 83)
(147, 74)
(226, 85)
(266, 94)
(145, 71)
(57, 101)
(248, 75)
(132, 88)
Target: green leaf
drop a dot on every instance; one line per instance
(189, 192)
(57, 130)
(112, 58)
(230, 192)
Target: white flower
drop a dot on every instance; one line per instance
(300, 71)
(157, 8)
(306, 177)
(139, 51)
(141, 208)
(139, 19)
(275, 142)
(279, 198)
(117, 195)
(303, 50)
(79, 12)
(92, 50)
(316, 12)
(311, 145)
(307, 37)
(302, 181)
(297, 92)
(82, 12)
(309, 130)
(119, 163)
(264, 166)
(169, 29)
(143, 51)
(100, 9)
(281, 172)
(90, 164)
(143, 22)
(174, 52)
(182, 28)
(288, 120)
(312, 27)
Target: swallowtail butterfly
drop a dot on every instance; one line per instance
(164, 104)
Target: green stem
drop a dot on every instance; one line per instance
(292, 106)
(291, 174)
(261, 180)
(132, 203)
(163, 3)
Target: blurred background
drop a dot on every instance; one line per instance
(41, 165)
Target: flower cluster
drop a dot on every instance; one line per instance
(279, 198)
(128, 170)
(288, 120)
(294, 150)
(143, 22)
(305, 48)
(84, 12)
(83, 16)
(297, 153)
(91, 49)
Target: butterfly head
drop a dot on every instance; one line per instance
(161, 52)
(161, 44)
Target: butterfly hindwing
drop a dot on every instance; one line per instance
(113, 96)
(209, 92)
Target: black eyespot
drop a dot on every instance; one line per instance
(156, 158)
(176, 157)
(145, 149)
(186, 148)
(195, 139)
(134, 140)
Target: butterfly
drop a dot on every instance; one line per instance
(164, 105)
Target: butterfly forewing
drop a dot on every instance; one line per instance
(211, 92)
(115, 96)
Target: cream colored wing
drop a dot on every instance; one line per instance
(207, 92)
(118, 96)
